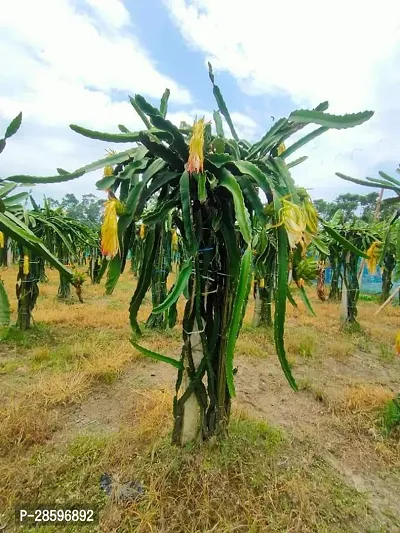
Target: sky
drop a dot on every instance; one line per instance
(76, 61)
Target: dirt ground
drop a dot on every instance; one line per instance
(76, 372)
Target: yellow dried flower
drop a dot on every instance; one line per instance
(109, 230)
(397, 345)
(174, 240)
(281, 148)
(311, 216)
(26, 265)
(262, 283)
(142, 231)
(1, 239)
(108, 171)
(374, 251)
(196, 148)
(292, 217)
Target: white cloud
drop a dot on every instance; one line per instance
(67, 61)
(111, 11)
(344, 52)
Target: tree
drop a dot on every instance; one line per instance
(211, 181)
(89, 210)
(352, 206)
(14, 224)
(345, 260)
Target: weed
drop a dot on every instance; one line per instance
(386, 353)
(391, 417)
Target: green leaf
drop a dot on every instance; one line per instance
(252, 197)
(172, 316)
(123, 129)
(219, 145)
(383, 184)
(7, 188)
(264, 182)
(301, 142)
(239, 302)
(242, 215)
(341, 240)
(132, 200)
(34, 204)
(101, 272)
(157, 165)
(164, 103)
(161, 212)
(218, 124)
(232, 146)
(140, 112)
(16, 199)
(157, 182)
(201, 188)
(297, 161)
(290, 298)
(145, 106)
(159, 357)
(219, 160)
(361, 182)
(221, 104)
(306, 301)
(229, 236)
(160, 150)
(105, 183)
(144, 281)
(191, 243)
(177, 290)
(389, 178)
(268, 139)
(13, 127)
(113, 274)
(2, 145)
(321, 246)
(306, 116)
(109, 137)
(48, 179)
(18, 231)
(178, 143)
(5, 311)
(117, 137)
(280, 302)
(110, 160)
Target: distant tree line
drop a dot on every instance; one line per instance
(353, 206)
(89, 210)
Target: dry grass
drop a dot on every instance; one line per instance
(252, 481)
(362, 398)
(256, 481)
(23, 424)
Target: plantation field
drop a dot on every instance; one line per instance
(78, 401)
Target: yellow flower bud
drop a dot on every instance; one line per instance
(196, 148)
(281, 149)
(109, 230)
(374, 251)
(142, 231)
(174, 240)
(292, 217)
(26, 265)
(1, 239)
(397, 345)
